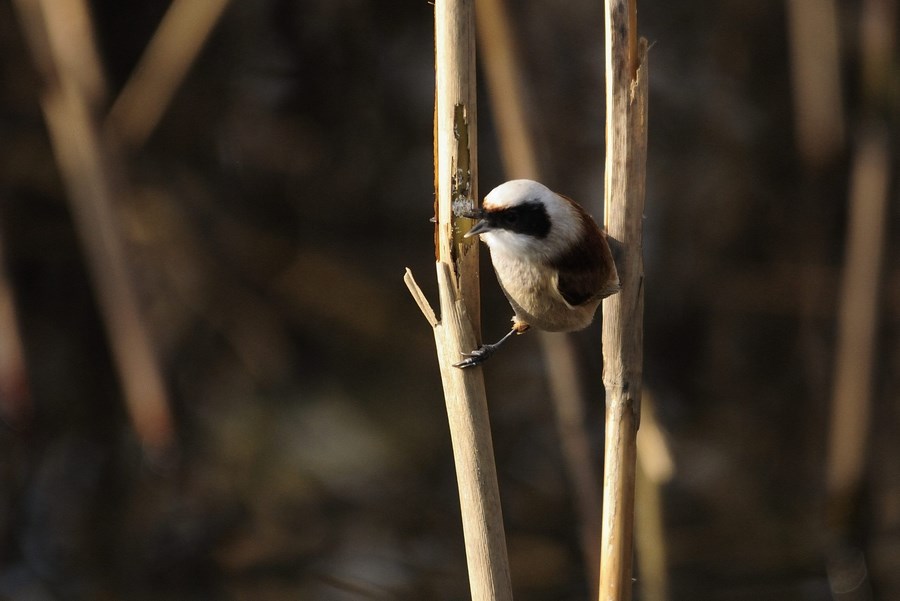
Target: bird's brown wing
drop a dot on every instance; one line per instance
(581, 287)
(587, 272)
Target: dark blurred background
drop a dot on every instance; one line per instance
(267, 219)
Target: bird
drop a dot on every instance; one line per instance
(552, 260)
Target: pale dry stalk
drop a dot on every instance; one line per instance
(626, 151)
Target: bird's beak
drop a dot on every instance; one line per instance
(479, 228)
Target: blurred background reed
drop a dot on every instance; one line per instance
(213, 384)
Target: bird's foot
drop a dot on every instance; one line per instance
(484, 352)
(478, 356)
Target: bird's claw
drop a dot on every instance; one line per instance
(476, 357)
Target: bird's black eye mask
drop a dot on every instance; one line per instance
(529, 218)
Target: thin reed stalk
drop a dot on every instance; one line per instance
(816, 74)
(860, 306)
(174, 47)
(655, 467)
(64, 52)
(626, 151)
(16, 407)
(457, 275)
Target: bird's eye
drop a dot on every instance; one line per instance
(510, 217)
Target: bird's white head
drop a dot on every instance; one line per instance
(525, 218)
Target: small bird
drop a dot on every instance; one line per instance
(552, 260)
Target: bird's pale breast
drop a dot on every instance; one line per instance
(532, 292)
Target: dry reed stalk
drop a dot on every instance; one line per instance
(655, 467)
(504, 77)
(64, 54)
(816, 74)
(457, 275)
(626, 151)
(859, 304)
(858, 319)
(851, 404)
(15, 396)
(174, 47)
